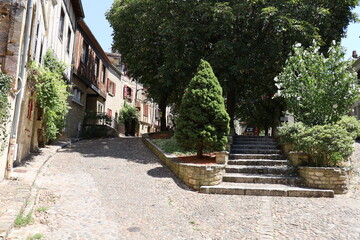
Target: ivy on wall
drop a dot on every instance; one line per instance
(51, 93)
(5, 81)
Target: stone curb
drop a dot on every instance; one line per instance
(26, 192)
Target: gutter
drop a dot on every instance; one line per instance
(12, 152)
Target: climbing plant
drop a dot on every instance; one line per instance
(51, 93)
(5, 81)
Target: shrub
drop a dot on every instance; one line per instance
(351, 125)
(203, 121)
(327, 145)
(290, 131)
(129, 117)
(51, 93)
(5, 81)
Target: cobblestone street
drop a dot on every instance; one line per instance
(117, 189)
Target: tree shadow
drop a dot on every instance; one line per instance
(130, 149)
(165, 172)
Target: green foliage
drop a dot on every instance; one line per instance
(22, 220)
(327, 145)
(163, 40)
(290, 131)
(171, 146)
(203, 121)
(318, 89)
(36, 236)
(51, 93)
(351, 125)
(129, 116)
(128, 113)
(5, 81)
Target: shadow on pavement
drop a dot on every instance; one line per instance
(130, 149)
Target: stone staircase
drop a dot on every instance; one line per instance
(257, 167)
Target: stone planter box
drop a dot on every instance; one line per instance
(333, 178)
(286, 148)
(297, 158)
(193, 175)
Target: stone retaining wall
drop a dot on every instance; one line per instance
(193, 175)
(326, 178)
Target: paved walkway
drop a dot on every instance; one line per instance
(117, 189)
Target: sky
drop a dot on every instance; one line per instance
(95, 19)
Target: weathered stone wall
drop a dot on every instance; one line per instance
(326, 178)
(193, 175)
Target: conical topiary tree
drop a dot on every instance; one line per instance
(203, 121)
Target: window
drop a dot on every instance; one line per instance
(77, 95)
(109, 113)
(96, 67)
(128, 93)
(146, 110)
(36, 39)
(103, 74)
(85, 52)
(111, 88)
(100, 107)
(68, 45)
(61, 24)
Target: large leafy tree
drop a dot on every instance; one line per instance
(246, 42)
(203, 121)
(318, 89)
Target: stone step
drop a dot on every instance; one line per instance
(238, 146)
(252, 137)
(254, 143)
(256, 151)
(248, 139)
(269, 179)
(257, 156)
(257, 162)
(283, 170)
(265, 190)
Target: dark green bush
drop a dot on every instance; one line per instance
(327, 145)
(289, 131)
(203, 122)
(351, 125)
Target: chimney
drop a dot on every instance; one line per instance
(354, 54)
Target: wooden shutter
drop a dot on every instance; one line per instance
(114, 88)
(125, 92)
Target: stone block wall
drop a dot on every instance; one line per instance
(193, 175)
(326, 178)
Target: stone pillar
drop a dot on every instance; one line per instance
(222, 157)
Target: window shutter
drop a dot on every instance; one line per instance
(114, 88)
(132, 95)
(108, 85)
(125, 92)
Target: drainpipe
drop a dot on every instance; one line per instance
(12, 152)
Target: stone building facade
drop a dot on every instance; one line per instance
(49, 25)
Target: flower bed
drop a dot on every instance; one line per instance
(194, 175)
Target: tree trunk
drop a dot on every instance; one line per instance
(199, 150)
(266, 128)
(162, 106)
(231, 104)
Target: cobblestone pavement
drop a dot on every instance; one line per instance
(117, 189)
